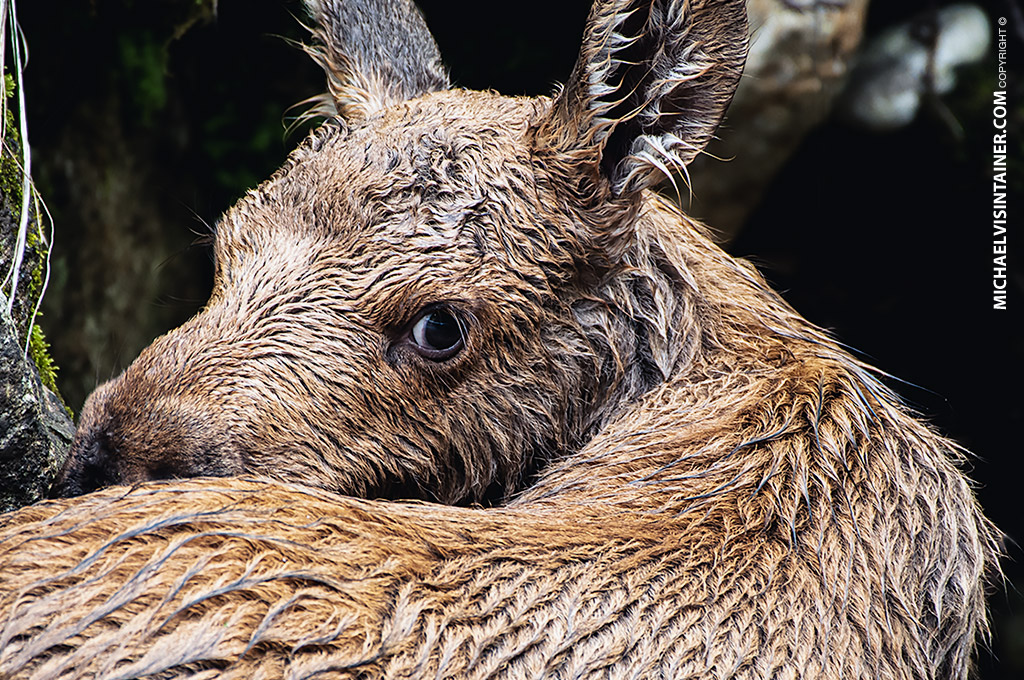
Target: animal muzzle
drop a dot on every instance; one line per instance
(91, 465)
(122, 440)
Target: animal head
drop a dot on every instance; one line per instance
(432, 298)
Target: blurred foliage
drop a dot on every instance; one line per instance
(144, 63)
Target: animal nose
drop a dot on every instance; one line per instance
(91, 465)
(130, 432)
(107, 454)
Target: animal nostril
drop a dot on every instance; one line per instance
(91, 466)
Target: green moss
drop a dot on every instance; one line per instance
(29, 287)
(10, 169)
(38, 349)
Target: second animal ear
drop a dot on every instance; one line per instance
(376, 53)
(651, 84)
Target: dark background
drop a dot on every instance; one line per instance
(148, 119)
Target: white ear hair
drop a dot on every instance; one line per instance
(652, 82)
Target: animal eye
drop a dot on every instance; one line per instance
(438, 334)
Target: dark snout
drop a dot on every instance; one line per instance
(124, 438)
(91, 466)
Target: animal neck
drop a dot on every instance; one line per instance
(719, 390)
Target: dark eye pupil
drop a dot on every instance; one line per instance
(438, 334)
(441, 330)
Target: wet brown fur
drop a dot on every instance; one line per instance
(686, 478)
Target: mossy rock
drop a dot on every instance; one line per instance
(35, 427)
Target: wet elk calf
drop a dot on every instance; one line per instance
(641, 462)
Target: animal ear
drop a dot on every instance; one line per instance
(651, 84)
(376, 53)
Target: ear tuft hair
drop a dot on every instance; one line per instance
(652, 82)
(376, 53)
